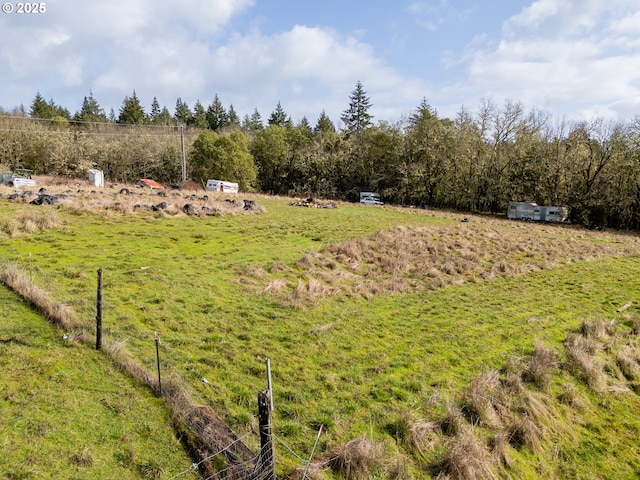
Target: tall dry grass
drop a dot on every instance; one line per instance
(418, 258)
(59, 314)
(468, 459)
(360, 458)
(542, 363)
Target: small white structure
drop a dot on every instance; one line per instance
(221, 186)
(96, 178)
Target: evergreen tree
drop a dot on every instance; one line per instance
(254, 123)
(324, 124)
(165, 117)
(112, 116)
(422, 113)
(216, 116)
(232, 117)
(90, 111)
(199, 116)
(131, 111)
(40, 108)
(183, 112)
(305, 127)
(155, 111)
(356, 118)
(279, 118)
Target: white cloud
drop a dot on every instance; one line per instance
(580, 56)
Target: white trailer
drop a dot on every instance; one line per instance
(221, 186)
(370, 198)
(537, 213)
(18, 178)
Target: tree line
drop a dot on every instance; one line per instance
(478, 161)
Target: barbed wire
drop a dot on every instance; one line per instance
(197, 465)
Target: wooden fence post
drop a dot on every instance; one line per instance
(99, 312)
(157, 337)
(267, 452)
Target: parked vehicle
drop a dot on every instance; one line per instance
(221, 186)
(370, 198)
(537, 213)
(20, 177)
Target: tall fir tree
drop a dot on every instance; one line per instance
(254, 122)
(155, 111)
(131, 111)
(279, 118)
(232, 117)
(39, 107)
(182, 113)
(216, 115)
(324, 124)
(199, 116)
(90, 111)
(357, 118)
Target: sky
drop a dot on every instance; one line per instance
(574, 59)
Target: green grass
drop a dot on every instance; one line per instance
(68, 413)
(354, 364)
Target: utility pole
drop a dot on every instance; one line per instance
(184, 156)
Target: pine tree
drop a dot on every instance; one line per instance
(254, 123)
(155, 111)
(324, 124)
(199, 116)
(232, 117)
(90, 111)
(422, 113)
(39, 108)
(216, 116)
(356, 118)
(279, 118)
(165, 118)
(183, 112)
(131, 110)
(305, 126)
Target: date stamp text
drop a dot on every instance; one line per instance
(21, 8)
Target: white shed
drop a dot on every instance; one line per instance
(96, 178)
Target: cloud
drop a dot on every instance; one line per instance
(579, 57)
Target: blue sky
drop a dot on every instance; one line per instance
(578, 59)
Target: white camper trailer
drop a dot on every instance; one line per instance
(221, 186)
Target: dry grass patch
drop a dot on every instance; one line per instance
(20, 283)
(580, 352)
(404, 258)
(524, 432)
(480, 399)
(131, 200)
(467, 459)
(425, 436)
(359, 458)
(30, 222)
(542, 363)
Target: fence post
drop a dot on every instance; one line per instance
(157, 337)
(267, 452)
(99, 312)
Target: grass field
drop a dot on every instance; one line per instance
(378, 322)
